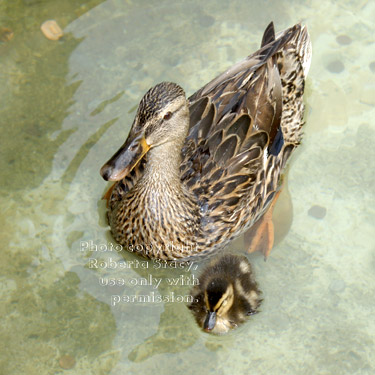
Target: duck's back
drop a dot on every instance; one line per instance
(243, 126)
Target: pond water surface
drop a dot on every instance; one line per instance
(67, 105)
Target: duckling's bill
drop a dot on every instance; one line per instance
(210, 321)
(126, 158)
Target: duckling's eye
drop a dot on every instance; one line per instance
(167, 116)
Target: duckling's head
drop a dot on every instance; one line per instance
(226, 295)
(162, 117)
(218, 298)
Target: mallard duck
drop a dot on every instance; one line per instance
(226, 295)
(194, 174)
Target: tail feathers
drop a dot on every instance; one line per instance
(268, 35)
(294, 63)
(304, 48)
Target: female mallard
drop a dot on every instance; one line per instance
(193, 174)
(226, 295)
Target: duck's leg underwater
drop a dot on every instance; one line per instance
(260, 237)
(108, 193)
(273, 226)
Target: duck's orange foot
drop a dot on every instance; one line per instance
(108, 194)
(260, 237)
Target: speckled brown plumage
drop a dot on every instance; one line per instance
(215, 161)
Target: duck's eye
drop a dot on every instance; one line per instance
(167, 116)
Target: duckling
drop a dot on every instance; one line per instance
(226, 295)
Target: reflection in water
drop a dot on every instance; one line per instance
(58, 101)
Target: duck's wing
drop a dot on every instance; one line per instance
(235, 123)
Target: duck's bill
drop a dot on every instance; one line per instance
(125, 159)
(209, 323)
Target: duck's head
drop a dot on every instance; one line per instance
(218, 298)
(162, 116)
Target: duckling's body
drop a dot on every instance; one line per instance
(194, 174)
(226, 295)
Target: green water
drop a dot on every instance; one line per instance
(65, 108)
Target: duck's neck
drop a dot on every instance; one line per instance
(164, 164)
(168, 200)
